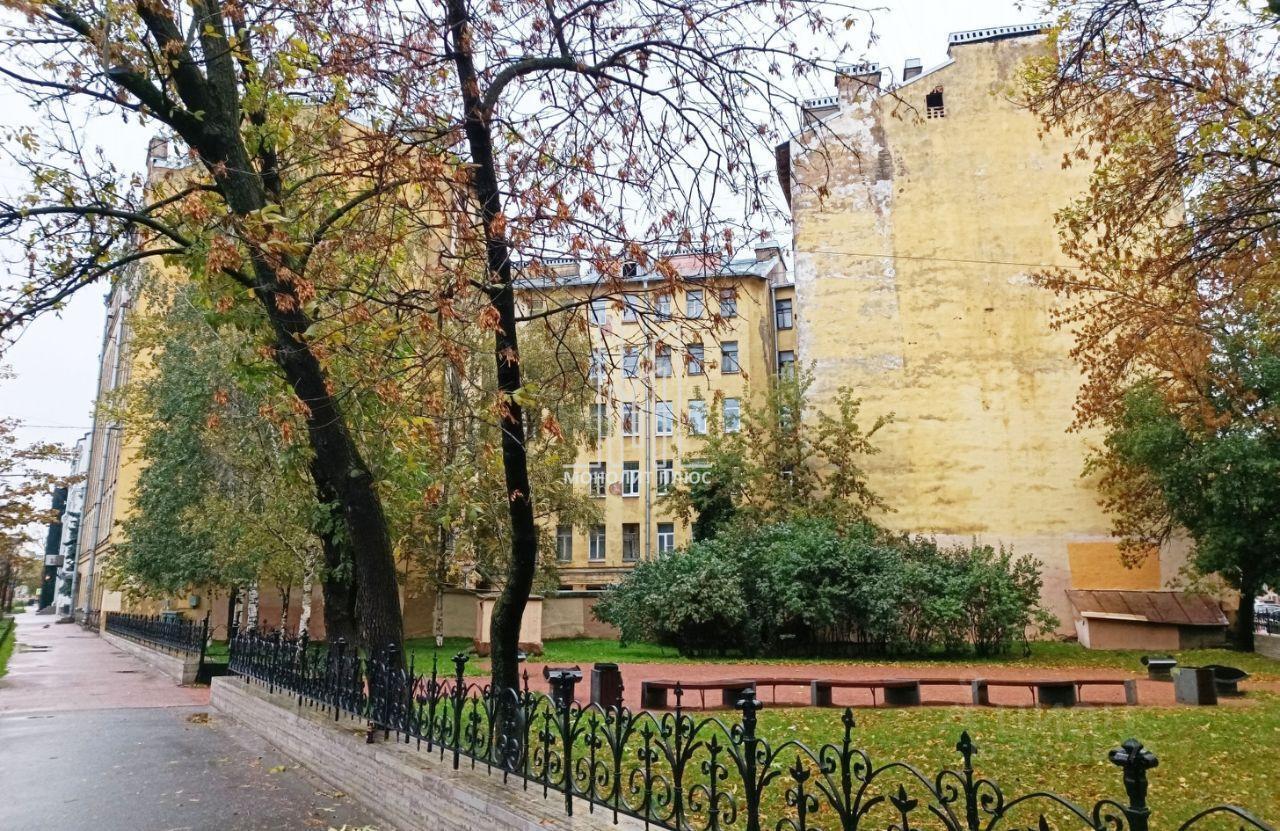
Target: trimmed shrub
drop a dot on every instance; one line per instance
(804, 587)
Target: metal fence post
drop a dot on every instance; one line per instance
(459, 696)
(1135, 761)
(749, 704)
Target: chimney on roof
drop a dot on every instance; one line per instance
(911, 69)
(857, 80)
(768, 252)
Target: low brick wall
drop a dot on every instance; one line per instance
(182, 668)
(1268, 645)
(411, 789)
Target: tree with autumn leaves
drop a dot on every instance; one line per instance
(397, 163)
(1173, 292)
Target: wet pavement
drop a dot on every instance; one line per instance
(92, 738)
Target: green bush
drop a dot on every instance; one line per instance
(803, 586)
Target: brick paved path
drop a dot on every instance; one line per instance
(92, 738)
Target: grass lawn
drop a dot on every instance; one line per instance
(1207, 755)
(6, 643)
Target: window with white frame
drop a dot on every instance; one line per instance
(782, 313)
(662, 361)
(599, 312)
(729, 302)
(693, 303)
(630, 419)
(595, 551)
(630, 362)
(662, 306)
(666, 537)
(732, 415)
(564, 543)
(664, 474)
(630, 478)
(599, 478)
(664, 418)
(599, 369)
(729, 357)
(600, 419)
(630, 308)
(698, 418)
(696, 358)
(630, 542)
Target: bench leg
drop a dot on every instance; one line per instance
(819, 695)
(1131, 692)
(652, 698)
(902, 696)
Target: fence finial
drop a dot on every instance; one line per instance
(1135, 761)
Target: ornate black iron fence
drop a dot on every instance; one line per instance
(173, 633)
(677, 770)
(1267, 623)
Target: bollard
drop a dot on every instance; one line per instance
(606, 685)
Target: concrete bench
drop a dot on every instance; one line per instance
(774, 683)
(898, 692)
(653, 694)
(1054, 692)
(1159, 669)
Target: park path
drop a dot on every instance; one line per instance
(91, 737)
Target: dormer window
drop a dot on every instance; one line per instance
(933, 104)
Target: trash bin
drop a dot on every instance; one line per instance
(606, 685)
(1195, 685)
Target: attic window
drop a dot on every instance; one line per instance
(933, 106)
(629, 270)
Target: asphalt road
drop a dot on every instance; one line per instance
(172, 767)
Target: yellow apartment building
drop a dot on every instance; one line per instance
(921, 210)
(662, 355)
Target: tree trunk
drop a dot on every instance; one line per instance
(247, 183)
(504, 633)
(1244, 615)
(251, 606)
(339, 583)
(304, 612)
(233, 611)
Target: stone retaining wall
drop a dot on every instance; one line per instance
(1268, 645)
(182, 668)
(406, 787)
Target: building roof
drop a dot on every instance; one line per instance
(995, 33)
(1167, 607)
(569, 272)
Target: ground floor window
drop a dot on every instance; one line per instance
(666, 537)
(596, 551)
(630, 542)
(564, 543)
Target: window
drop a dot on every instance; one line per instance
(786, 363)
(663, 309)
(732, 415)
(662, 361)
(630, 361)
(630, 419)
(597, 539)
(693, 303)
(698, 418)
(599, 477)
(599, 312)
(630, 478)
(564, 543)
(666, 537)
(728, 302)
(933, 104)
(664, 418)
(729, 357)
(600, 417)
(630, 309)
(666, 474)
(696, 357)
(782, 313)
(599, 368)
(630, 542)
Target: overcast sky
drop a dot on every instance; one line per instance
(56, 359)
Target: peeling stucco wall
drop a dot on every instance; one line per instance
(915, 243)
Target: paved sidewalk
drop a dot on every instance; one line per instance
(93, 738)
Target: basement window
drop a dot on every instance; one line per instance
(933, 104)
